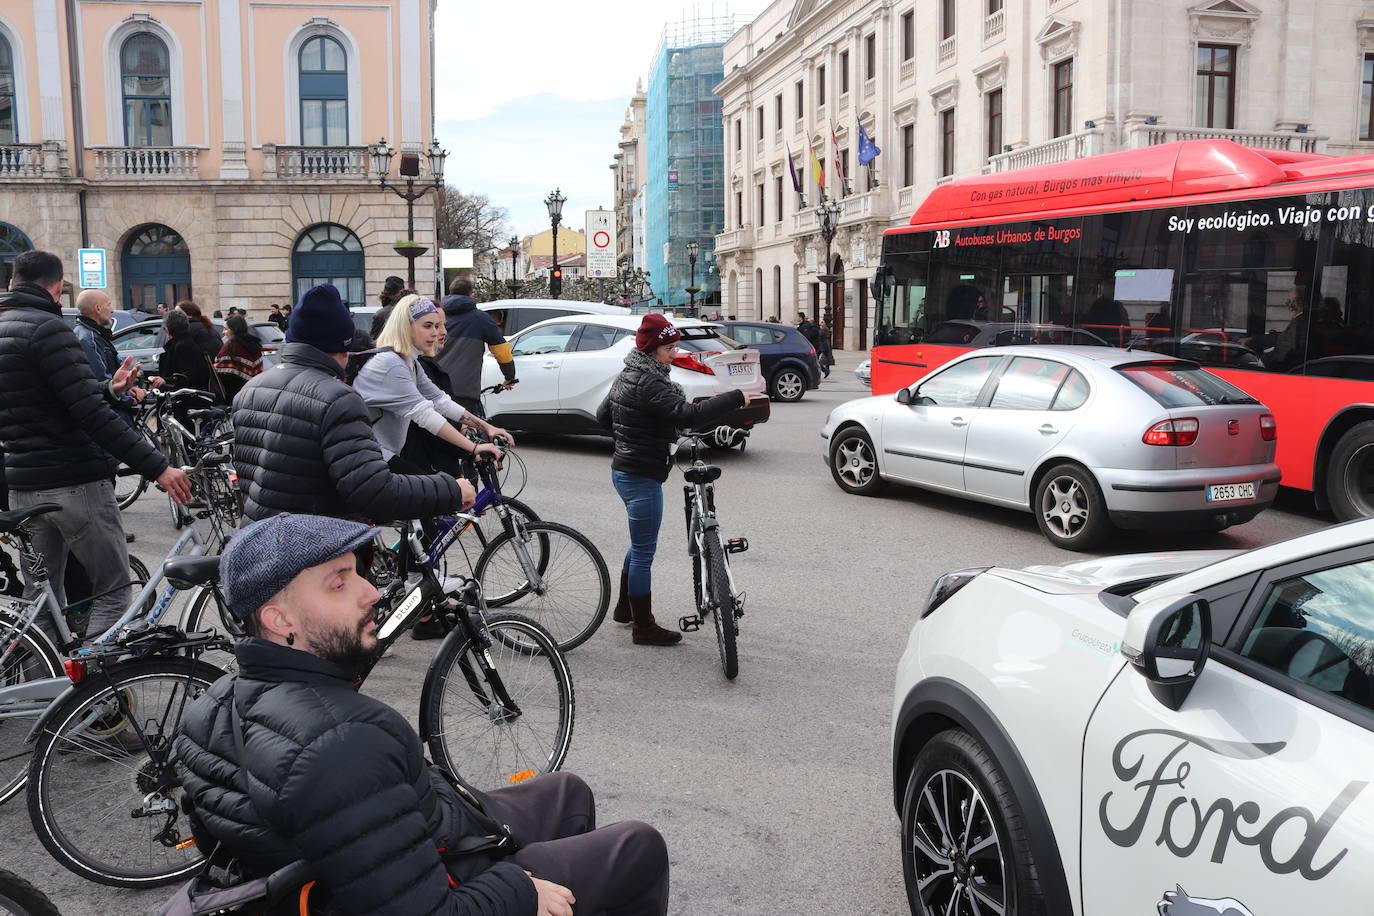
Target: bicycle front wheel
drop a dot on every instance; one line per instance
(23, 659)
(104, 788)
(20, 898)
(722, 601)
(550, 573)
(501, 713)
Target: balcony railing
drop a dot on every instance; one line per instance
(906, 200)
(947, 49)
(21, 160)
(1070, 146)
(858, 206)
(908, 69)
(316, 162)
(805, 221)
(1154, 134)
(994, 27)
(729, 241)
(146, 161)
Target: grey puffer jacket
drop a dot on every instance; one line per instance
(58, 428)
(339, 779)
(303, 443)
(645, 410)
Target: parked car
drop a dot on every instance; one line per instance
(1084, 438)
(566, 367)
(864, 372)
(789, 362)
(144, 341)
(1185, 734)
(514, 315)
(1009, 333)
(118, 319)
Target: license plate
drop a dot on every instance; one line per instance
(741, 369)
(1220, 492)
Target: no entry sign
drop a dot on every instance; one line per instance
(601, 243)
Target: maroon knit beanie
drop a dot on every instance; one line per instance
(654, 331)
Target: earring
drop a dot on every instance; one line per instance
(290, 639)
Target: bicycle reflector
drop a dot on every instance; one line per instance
(522, 776)
(76, 670)
(947, 585)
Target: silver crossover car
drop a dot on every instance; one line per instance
(1085, 438)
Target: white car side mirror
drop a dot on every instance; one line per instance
(1168, 640)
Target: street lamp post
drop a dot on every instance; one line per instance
(829, 212)
(410, 170)
(514, 278)
(692, 249)
(555, 203)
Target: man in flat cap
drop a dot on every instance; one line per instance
(339, 779)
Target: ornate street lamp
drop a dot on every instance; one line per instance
(514, 277)
(382, 154)
(829, 213)
(692, 249)
(555, 203)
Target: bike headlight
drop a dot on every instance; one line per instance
(947, 585)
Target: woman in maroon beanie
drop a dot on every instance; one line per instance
(645, 411)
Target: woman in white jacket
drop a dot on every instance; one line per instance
(411, 417)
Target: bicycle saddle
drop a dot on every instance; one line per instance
(185, 573)
(10, 521)
(704, 474)
(208, 413)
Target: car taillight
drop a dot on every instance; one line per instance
(692, 363)
(813, 351)
(76, 670)
(1172, 432)
(1269, 428)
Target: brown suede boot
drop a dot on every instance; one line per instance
(621, 614)
(646, 631)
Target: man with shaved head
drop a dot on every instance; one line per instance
(93, 331)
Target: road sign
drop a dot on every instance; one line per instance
(601, 243)
(92, 267)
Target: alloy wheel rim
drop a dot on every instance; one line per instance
(1065, 507)
(789, 385)
(959, 866)
(854, 462)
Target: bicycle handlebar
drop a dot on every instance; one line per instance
(498, 387)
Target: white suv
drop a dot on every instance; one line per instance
(1179, 734)
(566, 366)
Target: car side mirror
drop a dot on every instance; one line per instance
(904, 396)
(1168, 640)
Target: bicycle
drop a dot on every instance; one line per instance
(153, 418)
(713, 586)
(20, 898)
(103, 781)
(32, 664)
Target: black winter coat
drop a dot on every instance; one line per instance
(645, 412)
(339, 779)
(57, 428)
(303, 443)
(207, 338)
(183, 365)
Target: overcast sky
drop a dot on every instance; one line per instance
(530, 96)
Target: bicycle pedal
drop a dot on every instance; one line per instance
(689, 624)
(737, 545)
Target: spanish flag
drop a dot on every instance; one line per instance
(816, 170)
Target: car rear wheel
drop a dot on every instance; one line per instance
(965, 846)
(787, 385)
(854, 463)
(1350, 476)
(1070, 509)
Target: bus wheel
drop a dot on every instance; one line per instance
(1350, 475)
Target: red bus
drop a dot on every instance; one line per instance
(1258, 264)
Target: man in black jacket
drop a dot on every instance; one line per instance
(470, 330)
(303, 441)
(58, 430)
(339, 779)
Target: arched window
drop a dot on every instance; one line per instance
(156, 267)
(146, 75)
(324, 92)
(12, 244)
(9, 121)
(328, 253)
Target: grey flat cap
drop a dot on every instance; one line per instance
(265, 556)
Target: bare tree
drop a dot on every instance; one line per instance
(470, 221)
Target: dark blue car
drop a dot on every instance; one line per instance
(786, 358)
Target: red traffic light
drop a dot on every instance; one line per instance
(556, 273)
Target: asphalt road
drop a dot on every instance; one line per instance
(773, 791)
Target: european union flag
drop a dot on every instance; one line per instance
(868, 150)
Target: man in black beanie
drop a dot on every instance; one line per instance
(303, 442)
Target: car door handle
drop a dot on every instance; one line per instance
(551, 365)
(958, 421)
(1049, 429)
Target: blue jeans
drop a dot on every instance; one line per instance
(643, 498)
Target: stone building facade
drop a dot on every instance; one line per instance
(226, 151)
(629, 168)
(951, 88)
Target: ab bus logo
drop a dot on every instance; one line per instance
(941, 238)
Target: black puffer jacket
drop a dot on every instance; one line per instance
(302, 443)
(339, 779)
(57, 428)
(645, 411)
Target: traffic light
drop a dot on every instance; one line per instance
(555, 281)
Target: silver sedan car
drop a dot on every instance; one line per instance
(1086, 438)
